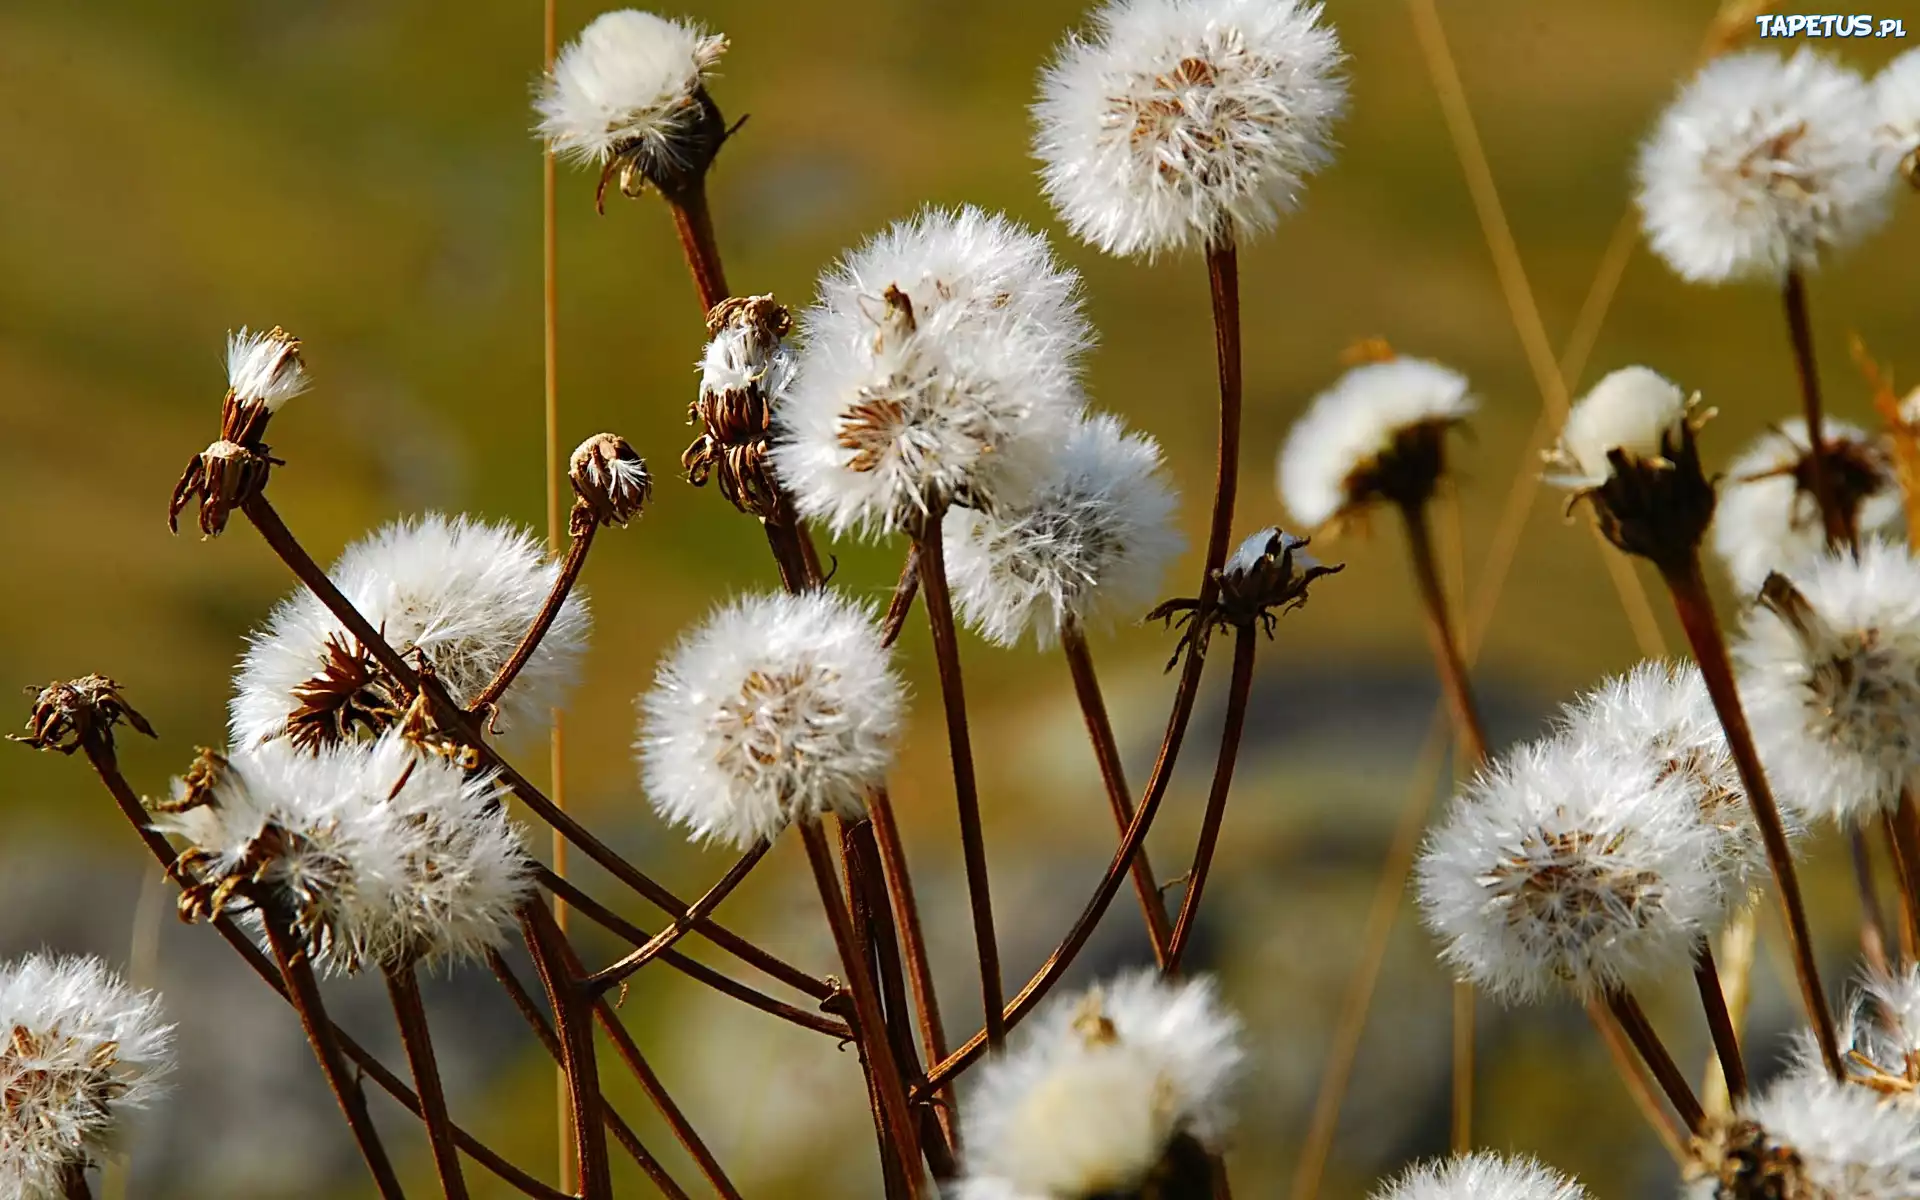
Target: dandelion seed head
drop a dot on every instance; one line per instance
(1633, 410)
(1762, 165)
(1879, 1034)
(265, 368)
(1179, 123)
(78, 1050)
(779, 708)
(1482, 1176)
(629, 83)
(940, 367)
(1808, 1135)
(1380, 426)
(1089, 545)
(1896, 94)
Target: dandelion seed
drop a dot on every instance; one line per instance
(1378, 434)
(1088, 546)
(1810, 1136)
(1122, 1091)
(1483, 1176)
(1762, 166)
(1558, 868)
(1183, 123)
(1768, 518)
(461, 592)
(376, 855)
(78, 1050)
(940, 368)
(779, 708)
(1831, 681)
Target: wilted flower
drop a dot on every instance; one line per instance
(939, 368)
(779, 708)
(1896, 92)
(744, 374)
(1379, 434)
(379, 854)
(1768, 518)
(66, 716)
(1559, 867)
(1483, 1176)
(1265, 577)
(1831, 680)
(1628, 448)
(1090, 544)
(630, 92)
(461, 592)
(1182, 123)
(78, 1049)
(610, 478)
(1810, 1136)
(264, 371)
(1760, 167)
(1122, 1091)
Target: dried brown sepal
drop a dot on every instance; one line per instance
(222, 478)
(611, 481)
(352, 695)
(1406, 473)
(1910, 169)
(1855, 473)
(678, 170)
(735, 422)
(1262, 581)
(196, 786)
(1746, 1164)
(420, 727)
(1184, 1172)
(1657, 508)
(67, 715)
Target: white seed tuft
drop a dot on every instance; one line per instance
(1482, 1176)
(1634, 410)
(265, 368)
(628, 82)
(1810, 1136)
(1896, 93)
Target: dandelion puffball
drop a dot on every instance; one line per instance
(376, 854)
(1183, 123)
(1634, 410)
(1768, 518)
(1557, 867)
(1104, 1094)
(1377, 434)
(940, 367)
(1763, 165)
(1880, 1038)
(631, 87)
(1810, 1136)
(1483, 1176)
(779, 708)
(459, 591)
(78, 1049)
(1896, 92)
(1089, 545)
(1830, 680)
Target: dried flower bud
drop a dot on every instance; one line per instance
(611, 480)
(222, 477)
(1270, 570)
(264, 371)
(743, 375)
(67, 715)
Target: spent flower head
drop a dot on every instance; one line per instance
(744, 376)
(264, 371)
(940, 367)
(1482, 1176)
(777, 709)
(1880, 1035)
(1628, 448)
(1089, 545)
(1185, 123)
(1809, 1136)
(1768, 518)
(78, 1050)
(1896, 92)
(610, 480)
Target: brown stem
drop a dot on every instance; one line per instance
(973, 843)
(1223, 277)
(869, 1024)
(1904, 824)
(1695, 609)
(1460, 1126)
(1633, 1072)
(574, 1029)
(1245, 641)
(403, 988)
(556, 599)
(607, 977)
(1106, 752)
(782, 533)
(913, 943)
(1726, 1041)
(693, 221)
(1639, 1031)
(1800, 333)
(1873, 926)
(74, 1185)
(303, 992)
(901, 605)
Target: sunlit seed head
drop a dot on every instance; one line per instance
(1482, 1176)
(630, 84)
(1634, 411)
(1807, 1135)
(265, 368)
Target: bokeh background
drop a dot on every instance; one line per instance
(361, 172)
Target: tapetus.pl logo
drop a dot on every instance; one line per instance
(1857, 25)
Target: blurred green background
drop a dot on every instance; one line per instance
(361, 172)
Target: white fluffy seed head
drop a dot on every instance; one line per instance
(1880, 1034)
(461, 591)
(1768, 519)
(1089, 545)
(1331, 462)
(1099, 1090)
(1831, 681)
(779, 708)
(1483, 1176)
(378, 854)
(630, 80)
(1634, 410)
(78, 1049)
(265, 368)
(1659, 716)
(1560, 868)
(1896, 94)
(940, 367)
(1813, 1137)
(1761, 166)
(1180, 123)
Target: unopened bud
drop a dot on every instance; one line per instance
(611, 479)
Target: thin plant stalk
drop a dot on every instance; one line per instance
(75, 1184)
(1873, 926)
(1106, 752)
(973, 842)
(569, 574)
(913, 943)
(1245, 641)
(573, 1026)
(1639, 1031)
(1733, 963)
(1726, 1040)
(1695, 608)
(1633, 1072)
(416, 1037)
(1806, 372)
(609, 976)
(1904, 826)
(693, 221)
(901, 603)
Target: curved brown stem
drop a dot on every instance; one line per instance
(901, 604)
(416, 1037)
(607, 977)
(913, 943)
(1106, 752)
(1695, 608)
(693, 221)
(543, 621)
(1633, 1072)
(1800, 334)
(1726, 1041)
(1639, 1031)
(574, 1028)
(1238, 691)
